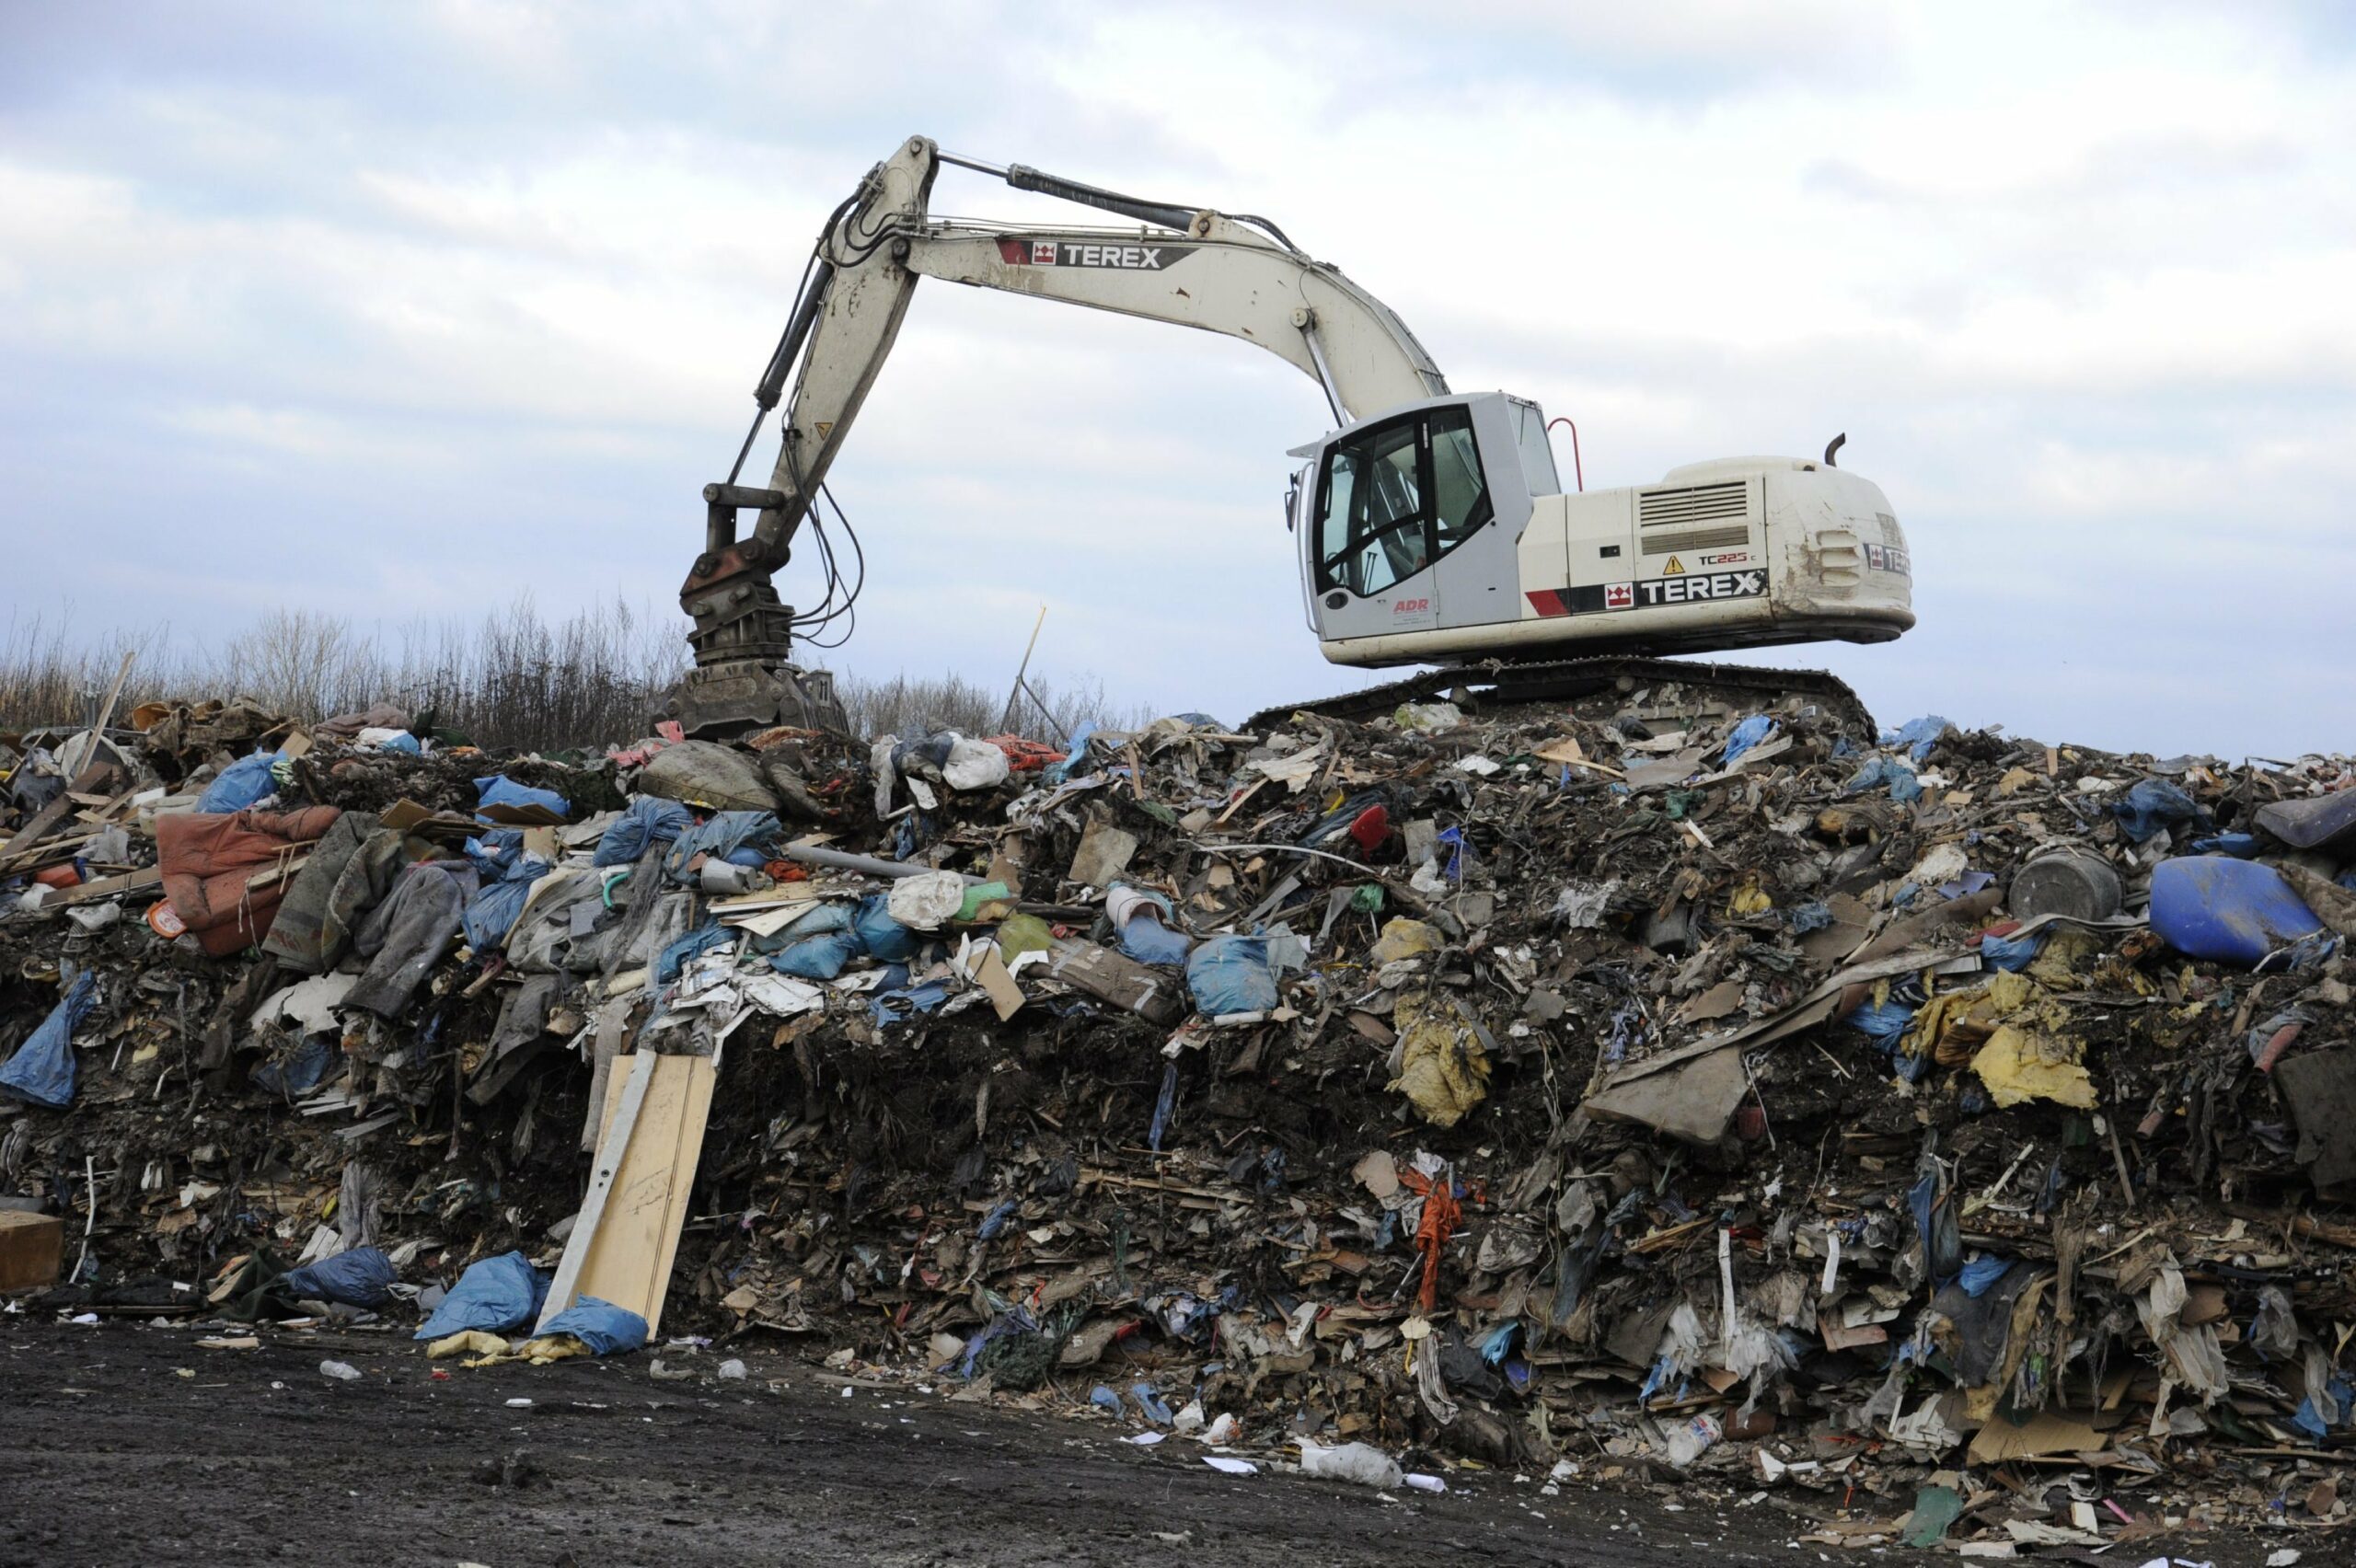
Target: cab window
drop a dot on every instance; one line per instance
(1371, 530)
(1395, 498)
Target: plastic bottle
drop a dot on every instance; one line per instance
(1689, 1440)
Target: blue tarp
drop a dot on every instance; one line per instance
(1917, 735)
(42, 1070)
(495, 1295)
(498, 790)
(1747, 735)
(606, 1329)
(1231, 974)
(361, 1277)
(650, 819)
(241, 783)
(508, 872)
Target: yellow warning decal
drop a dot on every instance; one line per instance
(1673, 568)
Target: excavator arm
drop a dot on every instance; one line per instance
(1236, 275)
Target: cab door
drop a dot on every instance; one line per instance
(1369, 548)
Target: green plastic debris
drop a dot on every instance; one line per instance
(1367, 899)
(1935, 1507)
(1019, 934)
(981, 895)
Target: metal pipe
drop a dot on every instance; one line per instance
(840, 860)
(1324, 371)
(1578, 473)
(1158, 212)
(976, 164)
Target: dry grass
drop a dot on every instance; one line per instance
(512, 679)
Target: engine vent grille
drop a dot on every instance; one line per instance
(1694, 504)
(1666, 542)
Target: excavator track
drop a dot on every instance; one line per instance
(1564, 680)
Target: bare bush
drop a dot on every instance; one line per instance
(900, 706)
(512, 679)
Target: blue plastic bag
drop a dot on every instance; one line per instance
(241, 783)
(1802, 918)
(649, 819)
(820, 957)
(880, 935)
(1884, 1022)
(606, 1329)
(904, 1001)
(2011, 955)
(361, 1277)
(2240, 846)
(2152, 805)
(495, 1295)
(2233, 911)
(1982, 1272)
(694, 944)
(304, 1069)
(1885, 770)
(726, 836)
(1075, 755)
(498, 790)
(1231, 974)
(1747, 735)
(1148, 937)
(42, 1070)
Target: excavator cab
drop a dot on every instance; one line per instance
(1438, 531)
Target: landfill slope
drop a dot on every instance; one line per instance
(1941, 1134)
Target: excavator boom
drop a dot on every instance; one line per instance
(1431, 525)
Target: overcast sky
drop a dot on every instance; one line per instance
(402, 310)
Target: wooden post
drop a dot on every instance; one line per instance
(1006, 719)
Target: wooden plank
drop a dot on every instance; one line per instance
(627, 1258)
(50, 816)
(621, 1121)
(112, 887)
(96, 734)
(1153, 993)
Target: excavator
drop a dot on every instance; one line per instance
(1431, 526)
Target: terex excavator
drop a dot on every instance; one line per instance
(1431, 525)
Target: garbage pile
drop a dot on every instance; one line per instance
(1934, 1130)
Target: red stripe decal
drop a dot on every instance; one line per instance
(1548, 602)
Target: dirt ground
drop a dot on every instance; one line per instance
(126, 1443)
